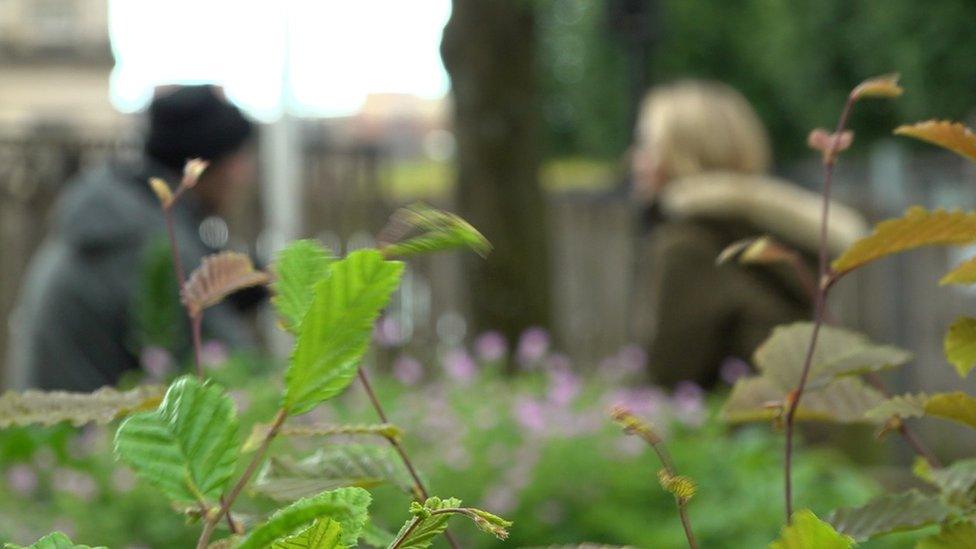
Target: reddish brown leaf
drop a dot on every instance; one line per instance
(218, 276)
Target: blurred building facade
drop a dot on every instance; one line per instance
(55, 64)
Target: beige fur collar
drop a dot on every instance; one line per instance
(773, 205)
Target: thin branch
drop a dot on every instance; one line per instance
(417, 520)
(903, 429)
(824, 283)
(420, 490)
(228, 500)
(634, 426)
(195, 320)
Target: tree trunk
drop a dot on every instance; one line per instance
(489, 51)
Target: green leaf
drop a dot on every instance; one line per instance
(903, 406)
(365, 466)
(957, 406)
(337, 328)
(322, 534)
(187, 447)
(298, 268)
(918, 227)
(439, 231)
(889, 513)
(260, 430)
(845, 400)
(839, 352)
(963, 274)
(347, 506)
(50, 407)
(956, 480)
(960, 345)
(806, 531)
(55, 540)
(428, 527)
(961, 535)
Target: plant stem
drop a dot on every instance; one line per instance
(682, 503)
(416, 522)
(823, 285)
(420, 490)
(242, 482)
(195, 320)
(906, 433)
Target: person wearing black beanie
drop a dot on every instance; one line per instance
(77, 326)
(194, 122)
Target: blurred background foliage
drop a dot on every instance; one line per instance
(795, 60)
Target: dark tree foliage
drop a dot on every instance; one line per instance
(774, 51)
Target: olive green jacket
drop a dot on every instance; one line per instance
(704, 313)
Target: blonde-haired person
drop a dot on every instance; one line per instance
(700, 166)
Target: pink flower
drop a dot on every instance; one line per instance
(533, 345)
(632, 359)
(80, 485)
(388, 332)
(459, 365)
(22, 479)
(407, 370)
(213, 354)
(491, 346)
(732, 369)
(688, 400)
(642, 401)
(530, 414)
(157, 362)
(564, 386)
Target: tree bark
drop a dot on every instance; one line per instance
(489, 50)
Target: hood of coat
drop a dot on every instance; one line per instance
(773, 206)
(112, 204)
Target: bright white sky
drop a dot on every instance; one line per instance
(339, 51)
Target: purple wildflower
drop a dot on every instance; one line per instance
(533, 345)
(388, 332)
(213, 354)
(564, 386)
(459, 365)
(632, 359)
(732, 369)
(407, 370)
(80, 485)
(157, 362)
(22, 479)
(689, 403)
(530, 414)
(491, 346)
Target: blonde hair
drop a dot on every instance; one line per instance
(691, 127)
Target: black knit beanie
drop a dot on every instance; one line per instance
(194, 122)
